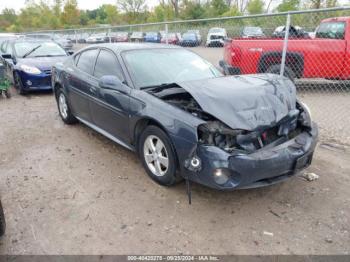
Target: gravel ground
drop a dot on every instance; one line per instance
(68, 190)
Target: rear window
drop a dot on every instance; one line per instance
(332, 30)
(189, 36)
(152, 34)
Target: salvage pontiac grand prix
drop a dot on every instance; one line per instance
(184, 118)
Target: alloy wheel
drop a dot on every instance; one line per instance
(156, 155)
(62, 104)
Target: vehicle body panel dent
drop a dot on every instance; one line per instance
(246, 102)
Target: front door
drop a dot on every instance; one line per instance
(110, 108)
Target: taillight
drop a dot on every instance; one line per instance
(236, 54)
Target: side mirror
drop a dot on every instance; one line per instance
(112, 83)
(6, 56)
(70, 52)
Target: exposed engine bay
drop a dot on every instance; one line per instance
(237, 141)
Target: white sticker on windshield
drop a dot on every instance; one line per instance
(200, 64)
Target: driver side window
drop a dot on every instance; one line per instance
(107, 64)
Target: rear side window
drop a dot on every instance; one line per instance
(332, 30)
(87, 61)
(107, 64)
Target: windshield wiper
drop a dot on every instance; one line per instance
(159, 87)
(31, 51)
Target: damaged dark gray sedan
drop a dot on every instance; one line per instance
(184, 118)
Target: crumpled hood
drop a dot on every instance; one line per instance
(42, 63)
(247, 102)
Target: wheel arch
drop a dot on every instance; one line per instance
(141, 125)
(294, 60)
(57, 86)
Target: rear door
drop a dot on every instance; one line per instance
(82, 83)
(110, 108)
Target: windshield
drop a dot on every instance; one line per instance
(189, 36)
(170, 35)
(168, 66)
(122, 34)
(98, 35)
(252, 31)
(216, 30)
(151, 34)
(45, 49)
(137, 34)
(333, 30)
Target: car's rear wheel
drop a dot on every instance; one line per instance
(288, 72)
(19, 84)
(158, 156)
(64, 109)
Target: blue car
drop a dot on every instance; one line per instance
(28, 63)
(184, 118)
(153, 37)
(190, 39)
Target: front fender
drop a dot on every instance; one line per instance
(180, 126)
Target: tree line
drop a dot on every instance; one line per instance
(65, 14)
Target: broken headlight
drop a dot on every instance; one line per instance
(218, 134)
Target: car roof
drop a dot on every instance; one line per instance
(335, 19)
(30, 40)
(120, 47)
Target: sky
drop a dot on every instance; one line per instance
(92, 4)
(83, 4)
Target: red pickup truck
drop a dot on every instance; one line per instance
(325, 56)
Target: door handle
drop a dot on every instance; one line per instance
(92, 89)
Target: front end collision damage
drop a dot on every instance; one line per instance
(267, 150)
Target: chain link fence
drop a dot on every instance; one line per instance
(310, 47)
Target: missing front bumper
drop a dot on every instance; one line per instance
(264, 167)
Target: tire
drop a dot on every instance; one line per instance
(166, 176)
(64, 109)
(288, 72)
(18, 84)
(7, 93)
(2, 221)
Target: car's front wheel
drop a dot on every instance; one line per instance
(18, 84)
(158, 156)
(64, 109)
